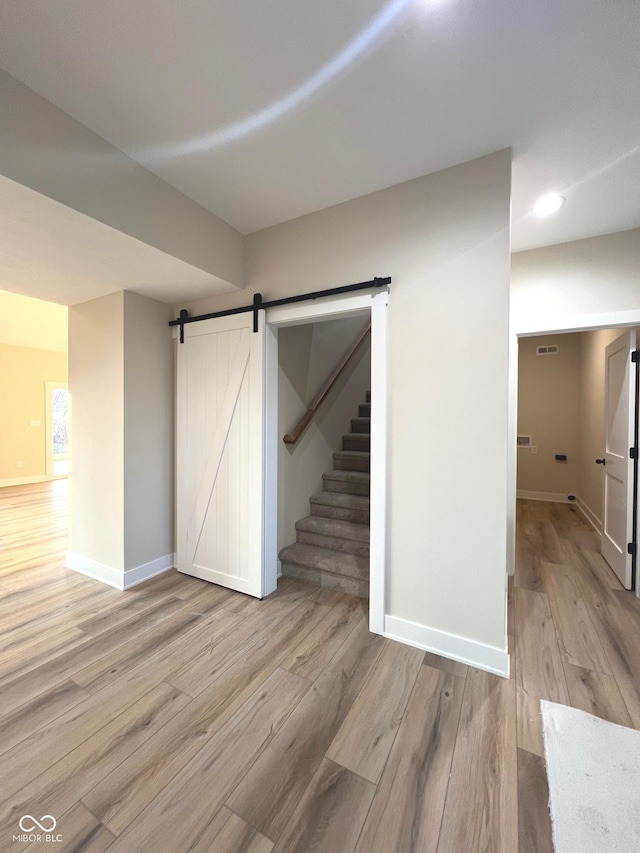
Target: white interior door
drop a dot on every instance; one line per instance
(220, 453)
(618, 480)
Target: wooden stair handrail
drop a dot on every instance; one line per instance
(305, 420)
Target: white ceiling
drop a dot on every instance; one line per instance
(49, 251)
(263, 111)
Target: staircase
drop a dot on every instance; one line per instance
(332, 544)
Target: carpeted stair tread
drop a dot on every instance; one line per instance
(354, 483)
(334, 527)
(340, 583)
(352, 460)
(325, 560)
(333, 543)
(362, 425)
(348, 476)
(334, 534)
(356, 441)
(338, 505)
(341, 500)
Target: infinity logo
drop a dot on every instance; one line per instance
(40, 824)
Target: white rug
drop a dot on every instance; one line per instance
(593, 768)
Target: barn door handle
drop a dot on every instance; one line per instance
(601, 461)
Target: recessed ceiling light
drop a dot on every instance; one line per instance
(548, 204)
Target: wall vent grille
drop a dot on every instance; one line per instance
(552, 349)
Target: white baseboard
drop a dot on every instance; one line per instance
(24, 481)
(115, 577)
(94, 569)
(554, 497)
(590, 515)
(139, 574)
(479, 655)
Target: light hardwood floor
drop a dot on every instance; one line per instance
(179, 716)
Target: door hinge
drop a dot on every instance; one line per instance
(633, 453)
(635, 356)
(632, 549)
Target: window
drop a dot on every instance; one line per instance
(57, 412)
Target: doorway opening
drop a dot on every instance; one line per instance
(324, 407)
(356, 308)
(35, 409)
(34, 456)
(576, 411)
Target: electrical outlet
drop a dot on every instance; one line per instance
(18, 464)
(534, 449)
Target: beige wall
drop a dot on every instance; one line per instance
(307, 354)
(121, 382)
(96, 366)
(444, 239)
(23, 372)
(548, 410)
(148, 430)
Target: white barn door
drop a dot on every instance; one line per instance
(220, 453)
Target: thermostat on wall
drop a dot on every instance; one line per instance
(523, 441)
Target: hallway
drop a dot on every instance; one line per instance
(180, 716)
